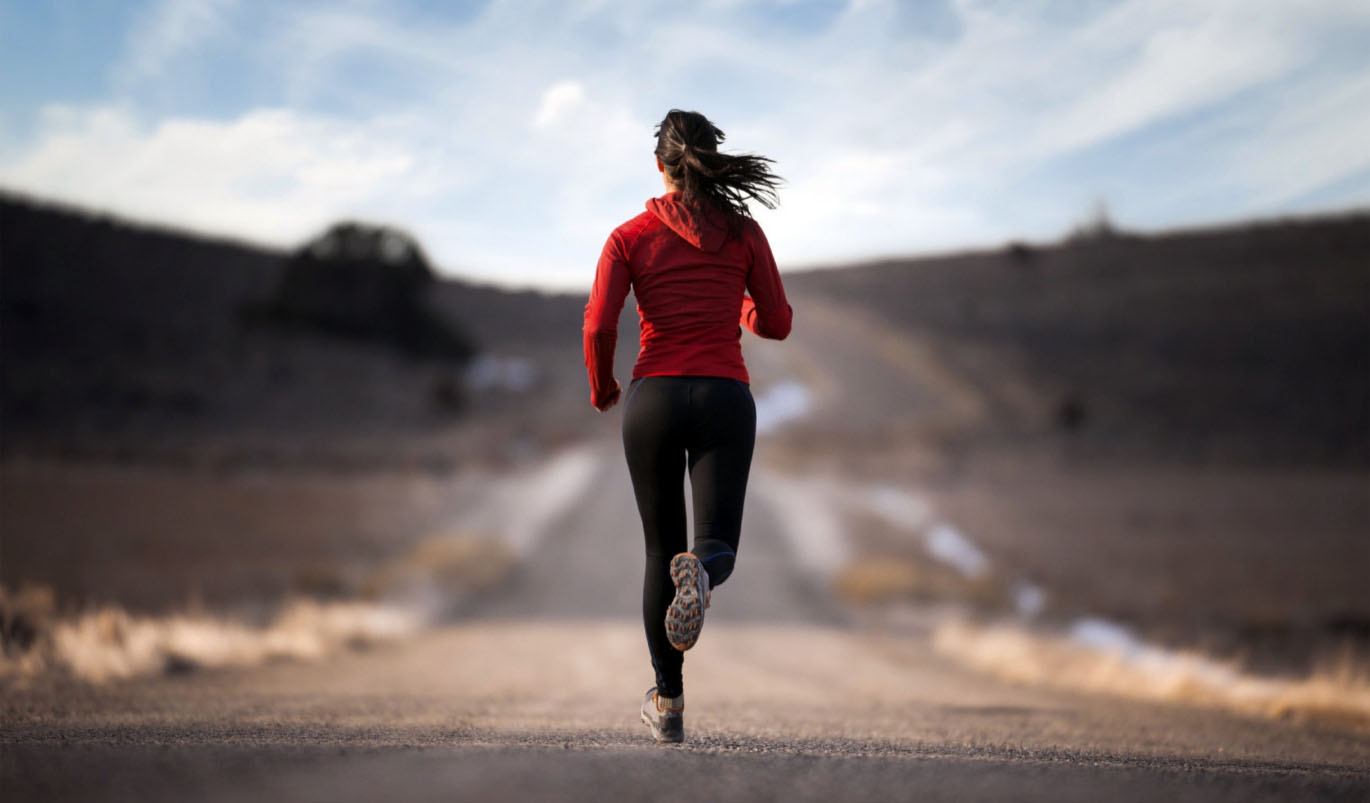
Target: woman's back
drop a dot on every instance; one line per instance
(690, 271)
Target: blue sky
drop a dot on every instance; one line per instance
(510, 137)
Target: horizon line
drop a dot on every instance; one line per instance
(241, 241)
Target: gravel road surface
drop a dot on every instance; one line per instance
(531, 693)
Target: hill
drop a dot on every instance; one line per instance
(1245, 343)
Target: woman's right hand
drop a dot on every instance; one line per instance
(610, 399)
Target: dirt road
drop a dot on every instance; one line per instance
(531, 692)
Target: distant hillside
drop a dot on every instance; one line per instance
(1249, 343)
(122, 339)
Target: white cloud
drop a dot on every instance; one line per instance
(272, 173)
(1323, 138)
(1182, 61)
(560, 98)
(471, 133)
(166, 31)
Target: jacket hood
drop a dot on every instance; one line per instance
(705, 231)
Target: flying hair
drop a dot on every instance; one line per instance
(687, 145)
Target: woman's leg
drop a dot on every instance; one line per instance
(720, 440)
(654, 418)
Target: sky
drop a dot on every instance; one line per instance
(511, 137)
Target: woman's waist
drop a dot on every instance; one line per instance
(692, 359)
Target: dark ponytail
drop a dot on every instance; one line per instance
(687, 145)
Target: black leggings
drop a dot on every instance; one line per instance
(708, 424)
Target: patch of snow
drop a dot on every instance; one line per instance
(780, 404)
(503, 373)
(1122, 643)
(1029, 599)
(948, 545)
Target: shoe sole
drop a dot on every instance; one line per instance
(685, 617)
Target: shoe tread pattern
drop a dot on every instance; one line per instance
(685, 616)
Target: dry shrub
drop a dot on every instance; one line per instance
(1337, 692)
(875, 580)
(24, 616)
(448, 564)
(110, 643)
(463, 561)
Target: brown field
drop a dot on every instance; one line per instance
(153, 538)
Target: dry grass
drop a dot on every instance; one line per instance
(110, 643)
(1337, 692)
(446, 564)
(872, 580)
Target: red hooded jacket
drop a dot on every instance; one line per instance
(691, 276)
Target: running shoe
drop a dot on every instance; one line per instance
(685, 617)
(664, 716)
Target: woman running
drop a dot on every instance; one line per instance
(691, 259)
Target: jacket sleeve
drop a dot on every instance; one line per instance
(601, 317)
(765, 312)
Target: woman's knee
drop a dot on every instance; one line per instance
(718, 558)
